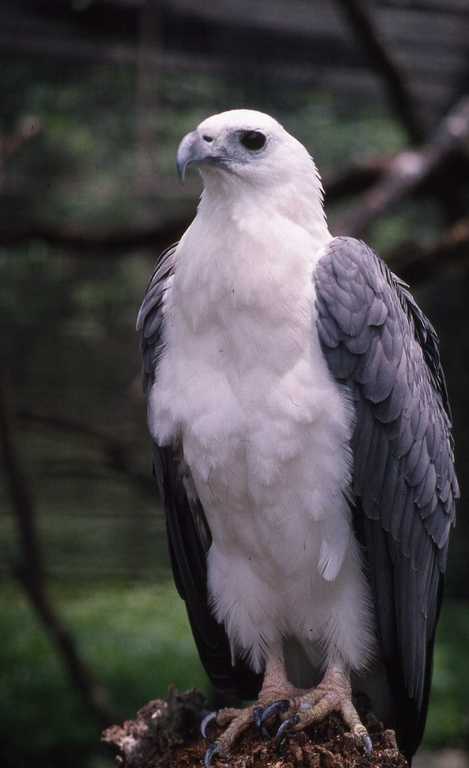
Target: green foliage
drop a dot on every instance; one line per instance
(136, 640)
(417, 221)
(358, 135)
(82, 168)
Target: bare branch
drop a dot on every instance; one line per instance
(370, 39)
(30, 573)
(354, 179)
(112, 245)
(408, 171)
(116, 452)
(386, 180)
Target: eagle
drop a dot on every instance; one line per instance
(302, 446)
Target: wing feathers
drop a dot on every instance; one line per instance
(377, 341)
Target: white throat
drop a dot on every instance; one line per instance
(299, 200)
(247, 251)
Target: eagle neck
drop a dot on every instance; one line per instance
(232, 200)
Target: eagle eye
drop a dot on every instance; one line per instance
(252, 140)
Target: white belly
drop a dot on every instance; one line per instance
(266, 434)
(270, 473)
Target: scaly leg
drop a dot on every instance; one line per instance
(297, 708)
(275, 696)
(333, 694)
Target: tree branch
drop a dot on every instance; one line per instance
(30, 573)
(408, 171)
(431, 170)
(368, 35)
(112, 245)
(354, 179)
(116, 451)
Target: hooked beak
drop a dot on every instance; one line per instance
(192, 151)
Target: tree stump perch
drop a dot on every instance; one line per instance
(165, 734)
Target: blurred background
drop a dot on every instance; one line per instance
(94, 98)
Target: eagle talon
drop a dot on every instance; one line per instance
(366, 743)
(257, 715)
(286, 725)
(212, 716)
(276, 708)
(214, 749)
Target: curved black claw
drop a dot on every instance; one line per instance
(276, 708)
(366, 743)
(282, 731)
(257, 717)
(214, 749)
(205, 723)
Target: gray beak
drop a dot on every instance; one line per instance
(192, 151)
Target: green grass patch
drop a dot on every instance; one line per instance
(137, 641)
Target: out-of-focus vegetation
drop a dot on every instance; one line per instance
(137, 636)
(69, 354)
(68, 322)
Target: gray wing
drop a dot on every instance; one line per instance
(378, 342)
(188, 533)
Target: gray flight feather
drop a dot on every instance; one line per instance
(378, 342)
(151, 316)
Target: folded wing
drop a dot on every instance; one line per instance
(380, 345)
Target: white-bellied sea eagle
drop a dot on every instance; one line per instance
(302, 446)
